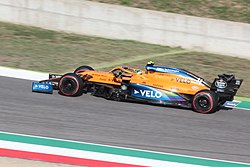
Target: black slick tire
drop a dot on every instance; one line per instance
(70, 84)
(205, 102)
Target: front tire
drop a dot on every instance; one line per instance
(70, 85)
(205, 102)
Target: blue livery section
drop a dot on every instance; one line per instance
(42, 87)
(147, 92)
(170, 71)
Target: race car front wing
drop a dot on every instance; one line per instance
(46, 86)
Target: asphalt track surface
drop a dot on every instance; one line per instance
(222, 135)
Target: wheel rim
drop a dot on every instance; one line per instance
(203, 102)
(68, 86)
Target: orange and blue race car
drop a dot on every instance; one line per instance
(157, 84)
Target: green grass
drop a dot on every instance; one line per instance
(44, 50)
(49, 51)
(243, 99)
(233, 10)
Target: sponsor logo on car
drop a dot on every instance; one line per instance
(148, 93)
(183, 80)
(41, 86)
(195, 87)
(237, 82)
(231, 103)
(174, 89)
(221, 84)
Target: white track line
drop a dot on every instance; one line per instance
(22, 74)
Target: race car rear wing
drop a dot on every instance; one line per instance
(226, 86)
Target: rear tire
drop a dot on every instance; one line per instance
(205, 102)
(70, 85)
(82, 69)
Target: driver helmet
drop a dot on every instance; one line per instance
(150, 63)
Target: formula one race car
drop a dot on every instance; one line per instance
(158, 85)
